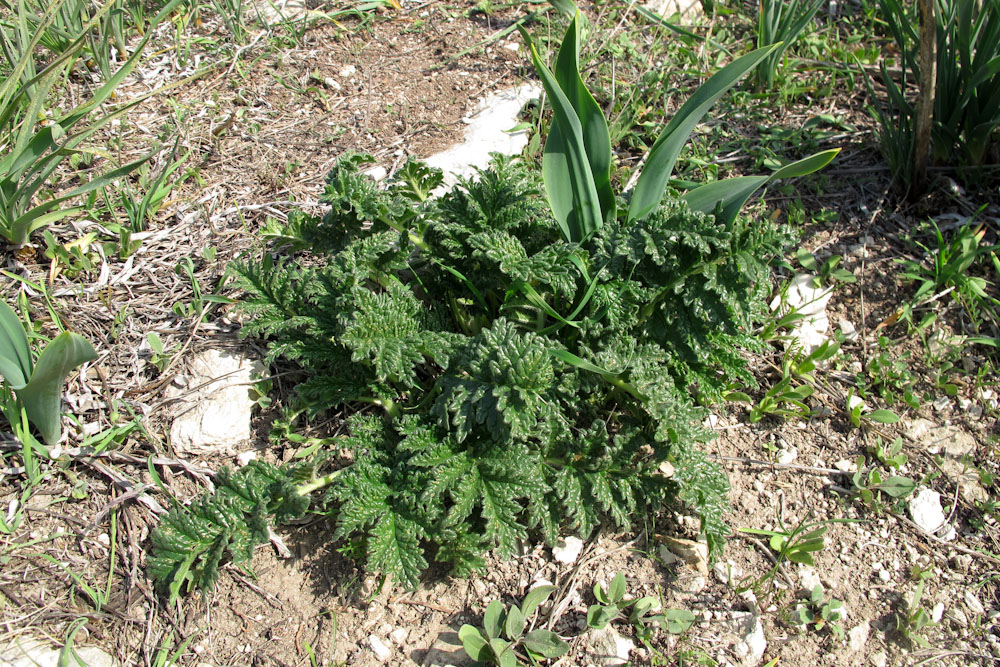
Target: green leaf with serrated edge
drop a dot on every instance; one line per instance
(475, 645)
(15, 353)
(599, 615)
(535, 598)
(596, 139)
(493, 619)
(545, 643)
(731, 194)
(42, 395)
(897, 487)
(652, 183)
(569, 182)
(513, 625)
(616, 591)
(883, 416)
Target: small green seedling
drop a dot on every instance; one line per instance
(159, 356)
(915, 618)
(645, 611)
(855, 409)
(820, 612)
(503, 631)
(828, 272)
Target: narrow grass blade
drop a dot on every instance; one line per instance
(652, 183)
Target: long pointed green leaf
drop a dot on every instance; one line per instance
(15, 355)
(42, 214)
(596, 138)
(732, 193)
(42, 395)
(652, 183)
(567, 176)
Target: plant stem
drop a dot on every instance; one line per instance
(319, 482)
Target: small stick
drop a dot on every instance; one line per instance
(780, 466)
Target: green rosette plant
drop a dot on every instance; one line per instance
(511, 364)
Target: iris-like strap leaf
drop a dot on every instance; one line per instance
(596, 138)
(569, 181)
(41, 396)
(15, 355)
(652, 184)
(732, 193)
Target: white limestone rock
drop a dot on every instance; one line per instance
(926, 512)
(26, 651)
(487, 133)
(214, 409)
(567, 550)
(745, 631)
(608, 648)
(810, 302)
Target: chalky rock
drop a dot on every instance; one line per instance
(213, 414)
(381, 651)
(31, 652)
(567, 550)
(689, 10)
(810, 302)
(487, 133)
(926, 512)
(745, 631)
(608, 648)
(857, 637)
(955, 446)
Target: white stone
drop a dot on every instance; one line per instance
(857, 637)
(348, 70)
(746, 628)
(727, 573)
(926, 512)
(847, 329)
(244, 458)
(885, 576)
(843, 465)
(567, 550)
(30, 652)
(381, 651)
(810, 302)
(879, 659)
(377, 173)
(214, 418)
(808, 579)
(689, 10)
(786, 456)
(973, 603)
(487, 133)
(608, 648)
(399, 636)
(937, 612)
